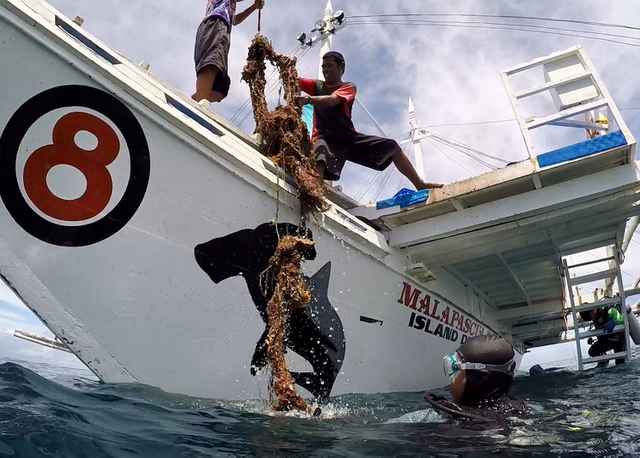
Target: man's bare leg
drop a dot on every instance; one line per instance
(216, 96)
(405, 167)
(320, 167)
(204, 82)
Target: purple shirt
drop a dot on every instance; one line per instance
(220, 9)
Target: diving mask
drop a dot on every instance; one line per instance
(453, 362)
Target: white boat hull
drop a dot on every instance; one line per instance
(122, 287)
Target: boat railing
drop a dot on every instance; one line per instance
(574, 97)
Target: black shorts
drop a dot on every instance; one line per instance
(367, 150)
(212, 48)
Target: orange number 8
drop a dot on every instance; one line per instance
(92, 164)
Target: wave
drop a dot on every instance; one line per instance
(574, 414)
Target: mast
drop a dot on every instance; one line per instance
(327, 42)
(416, 137)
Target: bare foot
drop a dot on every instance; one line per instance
(427, 185)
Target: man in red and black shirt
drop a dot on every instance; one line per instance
(334, 137)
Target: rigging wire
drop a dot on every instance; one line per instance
(367, 185)
(377, 175)
(514, 27)
(488, 23)
(451, 143)
(475, 123)
(449, 157)
(477, 159)
(384, 183)
(498, 16)
(373, 179)
(598, 257)
(495, 121)
(461, 145)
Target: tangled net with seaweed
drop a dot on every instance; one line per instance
(285, 140)
(290, 292)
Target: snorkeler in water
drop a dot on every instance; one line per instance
(536, 370)
(481, 372)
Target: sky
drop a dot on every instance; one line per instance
(450, 67)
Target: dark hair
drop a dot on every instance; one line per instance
(339, 59)
(585, 315)
(486, 385)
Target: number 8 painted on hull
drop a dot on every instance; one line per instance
(92, 164)
(64, 151)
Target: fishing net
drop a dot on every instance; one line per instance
(285, 138)
(286, 141)
(290, 292)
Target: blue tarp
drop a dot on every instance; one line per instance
(404, 198)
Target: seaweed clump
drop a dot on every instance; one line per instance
(290, 292)
(286, 141)
(285, 138)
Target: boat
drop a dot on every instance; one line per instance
(145, 260)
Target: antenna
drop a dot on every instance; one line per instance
(323, 31)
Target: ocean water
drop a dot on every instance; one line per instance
(55, 411)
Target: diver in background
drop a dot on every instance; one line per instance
(481, 372)
(605, 318)
(536, 370)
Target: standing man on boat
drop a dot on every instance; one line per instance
(334, 137)
(211, 53)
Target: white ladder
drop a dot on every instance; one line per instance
(619, 301)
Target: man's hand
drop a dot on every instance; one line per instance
(302, 100)
(259, 4)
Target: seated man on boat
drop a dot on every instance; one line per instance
(334, 136)
(481, 373)
(605, 318)
(211, 53)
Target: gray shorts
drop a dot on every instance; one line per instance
(213, 40)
